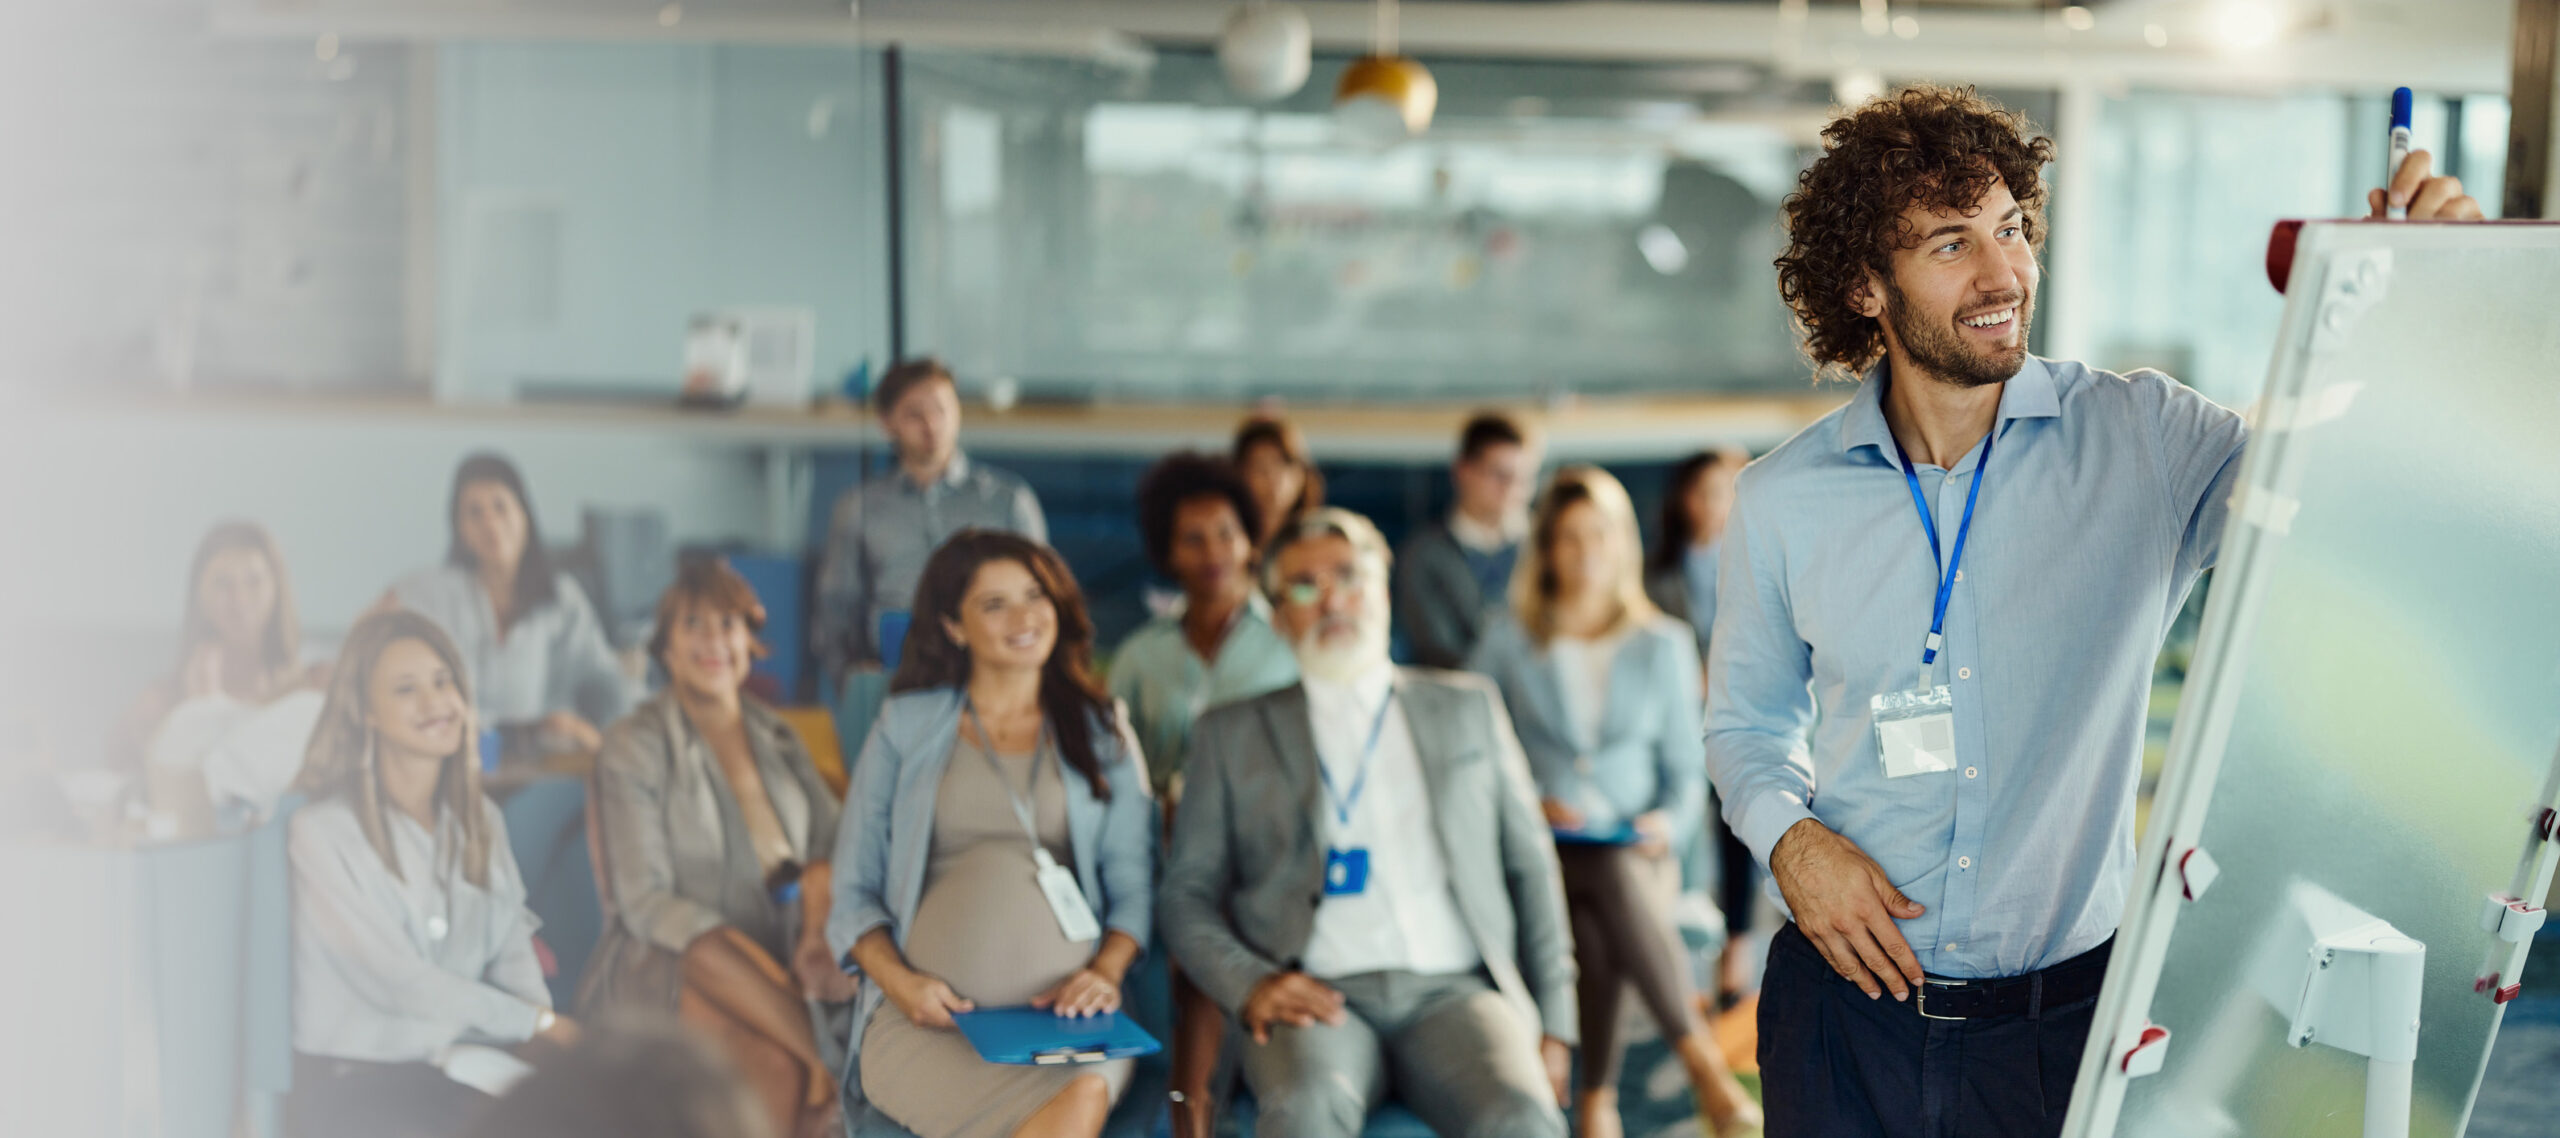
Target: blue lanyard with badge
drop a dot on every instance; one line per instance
(1057, 883)
(1916, 729)
(1346, 869)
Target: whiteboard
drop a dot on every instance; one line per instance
(2372, 727)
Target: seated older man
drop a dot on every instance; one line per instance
(1360, 875)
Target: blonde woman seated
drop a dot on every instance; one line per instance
(410, 928)
(228, 725)
(712, 822)
(997, 756)
(1604, 694)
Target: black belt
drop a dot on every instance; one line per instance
(2063, 984)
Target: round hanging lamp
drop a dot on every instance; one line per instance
(1266, 51)
(1383, 95)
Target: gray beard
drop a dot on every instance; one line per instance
(1342, 663)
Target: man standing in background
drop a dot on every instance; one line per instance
(884, 528)
(1450, 571)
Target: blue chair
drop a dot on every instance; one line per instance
(1388, 1120)
(856, 707)
(266, 988)
(547, 829)
(194, 897)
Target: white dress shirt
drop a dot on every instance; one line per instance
(1407, 919)
(395, 969)
(1582, 678)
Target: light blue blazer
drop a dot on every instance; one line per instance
(1652, 753)
(885, 838)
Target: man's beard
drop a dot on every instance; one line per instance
(1344, 658)
(1940, 349)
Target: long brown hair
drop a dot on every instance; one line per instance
(1284, 436)
(280, 646)
(1680, 527)
(343, 758)
(1533, 584)
(537, 577)
(1071, 698)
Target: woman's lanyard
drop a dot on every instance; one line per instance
(1058, 886)
(1951, 565)
(1023, 802)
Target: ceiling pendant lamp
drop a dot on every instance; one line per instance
(1385, 97)
(1266, 51)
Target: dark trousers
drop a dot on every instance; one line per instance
(1622, 935)
(348, 1098)
(1835, 1064)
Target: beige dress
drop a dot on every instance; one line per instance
(983, 927)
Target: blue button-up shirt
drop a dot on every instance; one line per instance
(2104, 501)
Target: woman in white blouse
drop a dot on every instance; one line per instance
(226, 727)
(535, 652)
(1603, 691)
(410, 928)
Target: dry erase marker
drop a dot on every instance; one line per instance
(2400, 102)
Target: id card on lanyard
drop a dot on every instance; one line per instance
(1916, 729)
(1346, 868)
(1057, 883)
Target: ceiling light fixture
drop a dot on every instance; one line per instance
(1266, 51)
(1385, 97)
(2248, 25)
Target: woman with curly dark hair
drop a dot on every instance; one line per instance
(1202, 525)
(1968, 568)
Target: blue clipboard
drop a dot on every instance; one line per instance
(1036, 1037)
(1622, 834)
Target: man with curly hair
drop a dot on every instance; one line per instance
(1968, 569)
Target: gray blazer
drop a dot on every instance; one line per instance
(676, 856)
(886, 841)
(1246, 870)
(1437, 599)
(1652, 753)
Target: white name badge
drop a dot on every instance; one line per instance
(1066, 899)
(1915, 731)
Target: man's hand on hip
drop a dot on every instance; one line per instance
(1846, 907)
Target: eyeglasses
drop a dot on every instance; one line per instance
(1308, 589)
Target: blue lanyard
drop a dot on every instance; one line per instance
(1949, 566)
(1343, 804)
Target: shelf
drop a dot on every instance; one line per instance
(1639, 428)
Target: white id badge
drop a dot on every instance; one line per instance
(1066, 899)
(1915, 731)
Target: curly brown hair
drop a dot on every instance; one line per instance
(1938, 147)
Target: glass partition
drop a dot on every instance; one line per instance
(594, 199)
(1106, 233)
(2376, 703)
